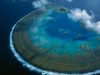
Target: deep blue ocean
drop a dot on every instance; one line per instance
(10, 13)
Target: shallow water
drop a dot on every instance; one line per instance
(56, 28)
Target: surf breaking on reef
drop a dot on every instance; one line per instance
(32, 67)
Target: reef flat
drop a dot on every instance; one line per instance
(50, 40)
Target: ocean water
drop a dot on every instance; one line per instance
(11, 13)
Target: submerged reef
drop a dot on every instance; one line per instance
(49, 41)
